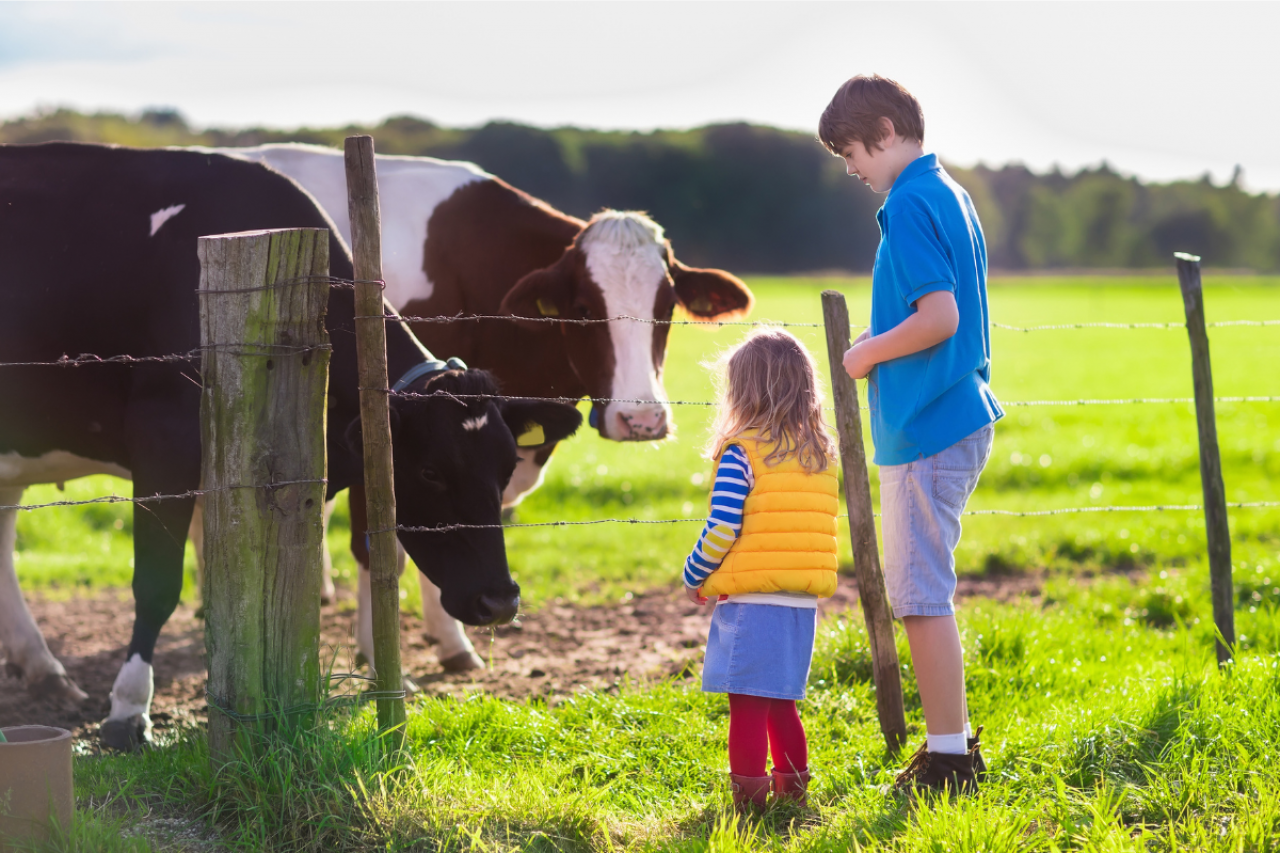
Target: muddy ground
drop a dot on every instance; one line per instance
(554, 649)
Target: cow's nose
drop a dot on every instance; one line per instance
(648, 424)
(496, 609)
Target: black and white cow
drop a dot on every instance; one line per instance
(98, 255)
(457, 240)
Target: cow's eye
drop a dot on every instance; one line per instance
(431, 477)
(583, 311)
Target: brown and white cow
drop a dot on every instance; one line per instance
(459, 241)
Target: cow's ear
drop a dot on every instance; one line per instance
(547, 292)
(710, 294)
(538, 422)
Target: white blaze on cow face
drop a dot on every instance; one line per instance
(160, 217)
(625, 255)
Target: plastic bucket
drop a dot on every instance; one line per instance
(35, 783)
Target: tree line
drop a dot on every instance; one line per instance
(758, 199)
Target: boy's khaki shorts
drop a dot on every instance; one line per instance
(920, 506)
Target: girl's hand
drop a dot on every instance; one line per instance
(866, 333)
(857, 362)
(695, 596)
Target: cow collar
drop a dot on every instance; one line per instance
(427, 368)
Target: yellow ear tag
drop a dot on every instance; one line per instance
(547, 308)
(532, 437)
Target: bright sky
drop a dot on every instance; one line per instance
(1162, 90)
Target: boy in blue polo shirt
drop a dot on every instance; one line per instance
(927, 358)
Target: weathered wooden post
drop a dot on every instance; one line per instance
(862, 527)
(263, 298)
(375, 428)
(1215, 496)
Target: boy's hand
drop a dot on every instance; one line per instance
(695, 596)
(857, 362)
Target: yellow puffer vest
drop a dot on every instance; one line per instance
(788, 539)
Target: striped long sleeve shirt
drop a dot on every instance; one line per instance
(728, 493)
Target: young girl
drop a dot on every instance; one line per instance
(769, 553)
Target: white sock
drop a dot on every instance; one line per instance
(950, 744)
(967, 732)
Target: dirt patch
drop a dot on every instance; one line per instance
(555, 649)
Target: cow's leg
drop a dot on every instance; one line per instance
(165, 460)
(454, 649)
(364, 604)
(27, 656)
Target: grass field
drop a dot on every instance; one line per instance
(1108, 727)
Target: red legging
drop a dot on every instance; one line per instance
(756, 724)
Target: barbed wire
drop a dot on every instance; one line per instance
(332, 281)
(193, 493)
(1126, 401)
(573, 400)
(258, 349)
(591, 321)
(450, 528)
(342, 700)
(1183, 325)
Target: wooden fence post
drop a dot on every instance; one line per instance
(1215, 496)
(375, 428)
(262, 415)
(862, 527)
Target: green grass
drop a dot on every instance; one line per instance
(1106, 730)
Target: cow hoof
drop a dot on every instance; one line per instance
(409, 686)
(126, 735)
(362, 660)
(462, 662)
(58, 687)
(12, 670)
(428, 639)
(328, 594)
(326, 598)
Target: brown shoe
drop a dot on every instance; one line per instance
(975, 749)
(791, 786)
(938, 771)
(749, 791)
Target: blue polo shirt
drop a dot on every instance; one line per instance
(930, 240)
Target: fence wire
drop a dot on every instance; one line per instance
(593, 321)
(450, 528)
(1183, 325)
(146, 499)
(574, 400)
(341, 700)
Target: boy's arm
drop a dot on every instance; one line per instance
(728, 494)
(936, 319)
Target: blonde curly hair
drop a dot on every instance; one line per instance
(768, 383)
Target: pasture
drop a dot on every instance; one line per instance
(1107, 727)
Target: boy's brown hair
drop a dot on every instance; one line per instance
(854, 113)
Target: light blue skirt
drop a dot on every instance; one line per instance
(759, 650)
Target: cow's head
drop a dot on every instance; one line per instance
(621, 265)
(454, 451)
